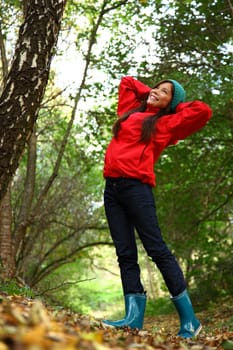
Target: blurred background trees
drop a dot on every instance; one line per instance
(53, 212)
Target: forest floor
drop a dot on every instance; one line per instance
(29, 324)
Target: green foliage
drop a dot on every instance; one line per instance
(216, 280)
(159, 306)
(94, 297)
(92, 283)
(11, 17)
(13, 287)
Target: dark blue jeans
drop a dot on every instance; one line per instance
(129, 204)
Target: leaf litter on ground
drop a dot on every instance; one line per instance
(30, 324)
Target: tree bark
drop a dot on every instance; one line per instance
(26, 82)
(7, 255)
(28, 193)
(6, 244)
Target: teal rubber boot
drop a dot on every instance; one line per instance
(135, 305)
(190, 326)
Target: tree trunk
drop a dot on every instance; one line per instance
(28, 193)
(6, 244)
(26, 82)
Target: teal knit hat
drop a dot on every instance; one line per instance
(178, 95)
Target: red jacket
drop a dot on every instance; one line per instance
(126, 156)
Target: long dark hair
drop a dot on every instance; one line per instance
(148, 125)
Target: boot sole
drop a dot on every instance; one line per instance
(105, 325)
(198, 330)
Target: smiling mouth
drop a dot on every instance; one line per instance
(154, 97)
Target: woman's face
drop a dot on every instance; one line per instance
(160, 96)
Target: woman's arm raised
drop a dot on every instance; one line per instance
(131, 94)
(188, 119)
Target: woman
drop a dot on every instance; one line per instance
(149, 121)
